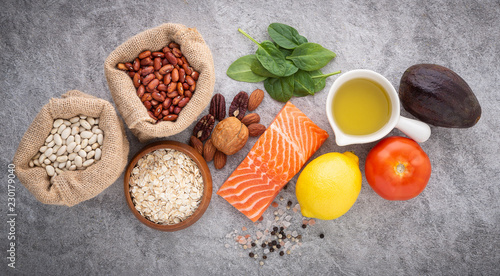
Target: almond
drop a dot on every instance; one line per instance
(256, 129)
(251, 118)
(219, 160)
(255, 99)
(209, 151)
(197, 144)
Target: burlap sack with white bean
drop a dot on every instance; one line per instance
(73, 187)
(124, 93)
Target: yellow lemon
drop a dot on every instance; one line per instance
(329, 185)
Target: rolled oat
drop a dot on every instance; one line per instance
(166, 186)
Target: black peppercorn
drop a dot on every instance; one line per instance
(264, 257)
(263, 245)
(304, 226)
(253, 244)
(273, 242)
(321, 236)
(251, 255)
(282, 253)
(278, 246)
(289, 203)
(275, 229)
(271, 249)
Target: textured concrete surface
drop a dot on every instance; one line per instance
(452, 228)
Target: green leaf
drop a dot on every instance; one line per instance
(258, 69)
(274, 61)
(271, 58)
(240, 70)
(285, 36)
(311, 56)
(280, 89)
(320, 80)
(304, 84)
(285, 52)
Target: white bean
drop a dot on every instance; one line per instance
(93, 139)
(91, 120)
(97, 154)
(72, 156)
(78, 139)
(61, 150)
(85, 143)
(50, 170)
(70, 139)
(86, 134)
(100, 138)
(77, 148)
(75, 130)
(62, 159)
(57, 139)
(71, 146)
(74, 119)
(48, 152)
(82, 153)
(65, 134)
(58, 122)
(85, 124)
(88, 162)
(78, 161)
(91, 154)
(61, 128)
(53, 157)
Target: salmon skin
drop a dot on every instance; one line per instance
(279, 154)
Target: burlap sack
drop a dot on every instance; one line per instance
(124, 93)
(72, 187)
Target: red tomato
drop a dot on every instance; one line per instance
(397, 168)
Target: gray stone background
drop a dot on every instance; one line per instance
(452, 228)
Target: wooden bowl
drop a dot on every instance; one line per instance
(207, 184)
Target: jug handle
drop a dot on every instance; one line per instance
(414, 129)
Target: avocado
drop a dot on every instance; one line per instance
(438, 96)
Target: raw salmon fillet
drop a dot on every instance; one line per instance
(279, 154)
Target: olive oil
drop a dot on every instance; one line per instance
(361, 107)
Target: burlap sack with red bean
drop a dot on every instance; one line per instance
(73, 187)
(124, 93)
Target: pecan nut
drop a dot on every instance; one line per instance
(239, 105)
(218, 107)
(203, 128)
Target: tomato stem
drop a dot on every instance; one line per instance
(400, 168)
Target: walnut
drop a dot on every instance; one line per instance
(230, 135)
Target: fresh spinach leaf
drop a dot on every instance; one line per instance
(285, 36)
(240, 70)
(319, 79)
(280, 89)
(304, 84)
(272, 59)
(258, 69)
(311, 56)
(285, 52)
